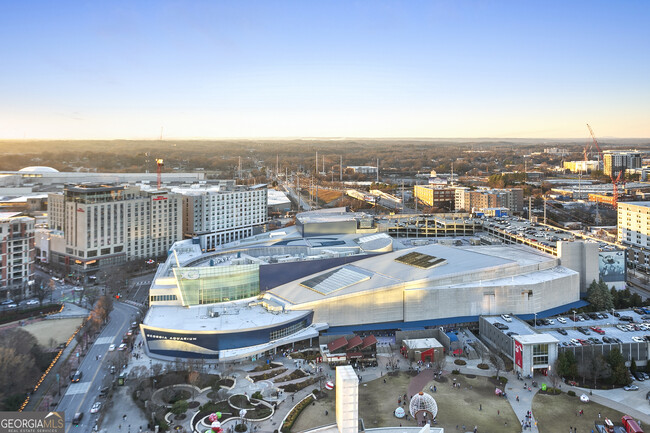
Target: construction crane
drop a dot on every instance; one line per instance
(602, 158)
(159, 164)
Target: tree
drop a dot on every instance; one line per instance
(617, 365)
(497, 362)
(180, 407)
(92, 295)
(40, 290)
(567, 365)
(633, 367)
(17, 374)
(598, 367)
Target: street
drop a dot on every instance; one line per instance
(79, 397)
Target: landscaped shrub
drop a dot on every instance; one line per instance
(483, 366)
(268, 375)
(455, 371)
(571, 393)
(240, 428)
(293, 387)
(460, 362)
(293, 415)
(296, 374)
(258, 395)
(501, 379)
(180, 407)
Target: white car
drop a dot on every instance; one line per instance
(506, 317)
(631, 388)
(96, 407)
(551, 322)
(111, 348)
(622, 328)
(122, 346)
(638, 339)
(32, 302)
(561, 319)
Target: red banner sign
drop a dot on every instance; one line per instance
(518, 354)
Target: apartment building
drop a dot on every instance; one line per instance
(93, 226)
(435, 196)
(634, 232)
(17, 254)
(218, 214)
(616, 161)
(511, 198)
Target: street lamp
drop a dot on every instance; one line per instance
(535, 319)
(574, 315)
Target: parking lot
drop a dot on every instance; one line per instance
(608, 325)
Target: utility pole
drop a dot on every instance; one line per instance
(277, 165)
(530, 208)
(544, 210)
(240, 167)
(341, 170)
(316, 161)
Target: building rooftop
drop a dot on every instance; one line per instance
(383, 271)
(224, 317)
(422, 343)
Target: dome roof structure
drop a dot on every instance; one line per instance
(423, 402)
(38, 169)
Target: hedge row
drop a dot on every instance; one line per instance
(293, 415)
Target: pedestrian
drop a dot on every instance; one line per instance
(480, 407)
(498, 412)
(598, 415)
(435, 389)
(517, 398)
(326, 413)
(119, 427)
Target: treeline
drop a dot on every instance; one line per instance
(602, 298)
(609, 369)
(22, 362)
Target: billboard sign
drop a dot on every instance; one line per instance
(519, 349)
(611, 266)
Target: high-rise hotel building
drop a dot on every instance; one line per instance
(94, 226)
(218, 214)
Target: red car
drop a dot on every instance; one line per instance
(597, 329)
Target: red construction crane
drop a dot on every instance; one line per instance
(602, 158)
(160, 164)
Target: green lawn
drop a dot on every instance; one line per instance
(556, 413)
(456, 406)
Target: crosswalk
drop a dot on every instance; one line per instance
(78, 388)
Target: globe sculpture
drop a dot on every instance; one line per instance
(423, 402)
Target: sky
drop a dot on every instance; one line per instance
(253, 69)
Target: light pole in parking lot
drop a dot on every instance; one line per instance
(574, 315)
(535, 319)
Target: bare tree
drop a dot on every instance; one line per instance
(92, 295)
(497, 362)
(598, 368)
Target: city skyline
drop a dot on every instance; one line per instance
(213, 70)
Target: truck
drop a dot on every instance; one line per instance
(630, 425)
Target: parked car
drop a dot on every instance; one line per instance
(32, 302)
(561, 319)
(631, 388)
(7, 302)
(638, 376)
(96, 407)
(562, 331)
(597, 330)
(622, 328)
(638, 339)
(506, 317)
